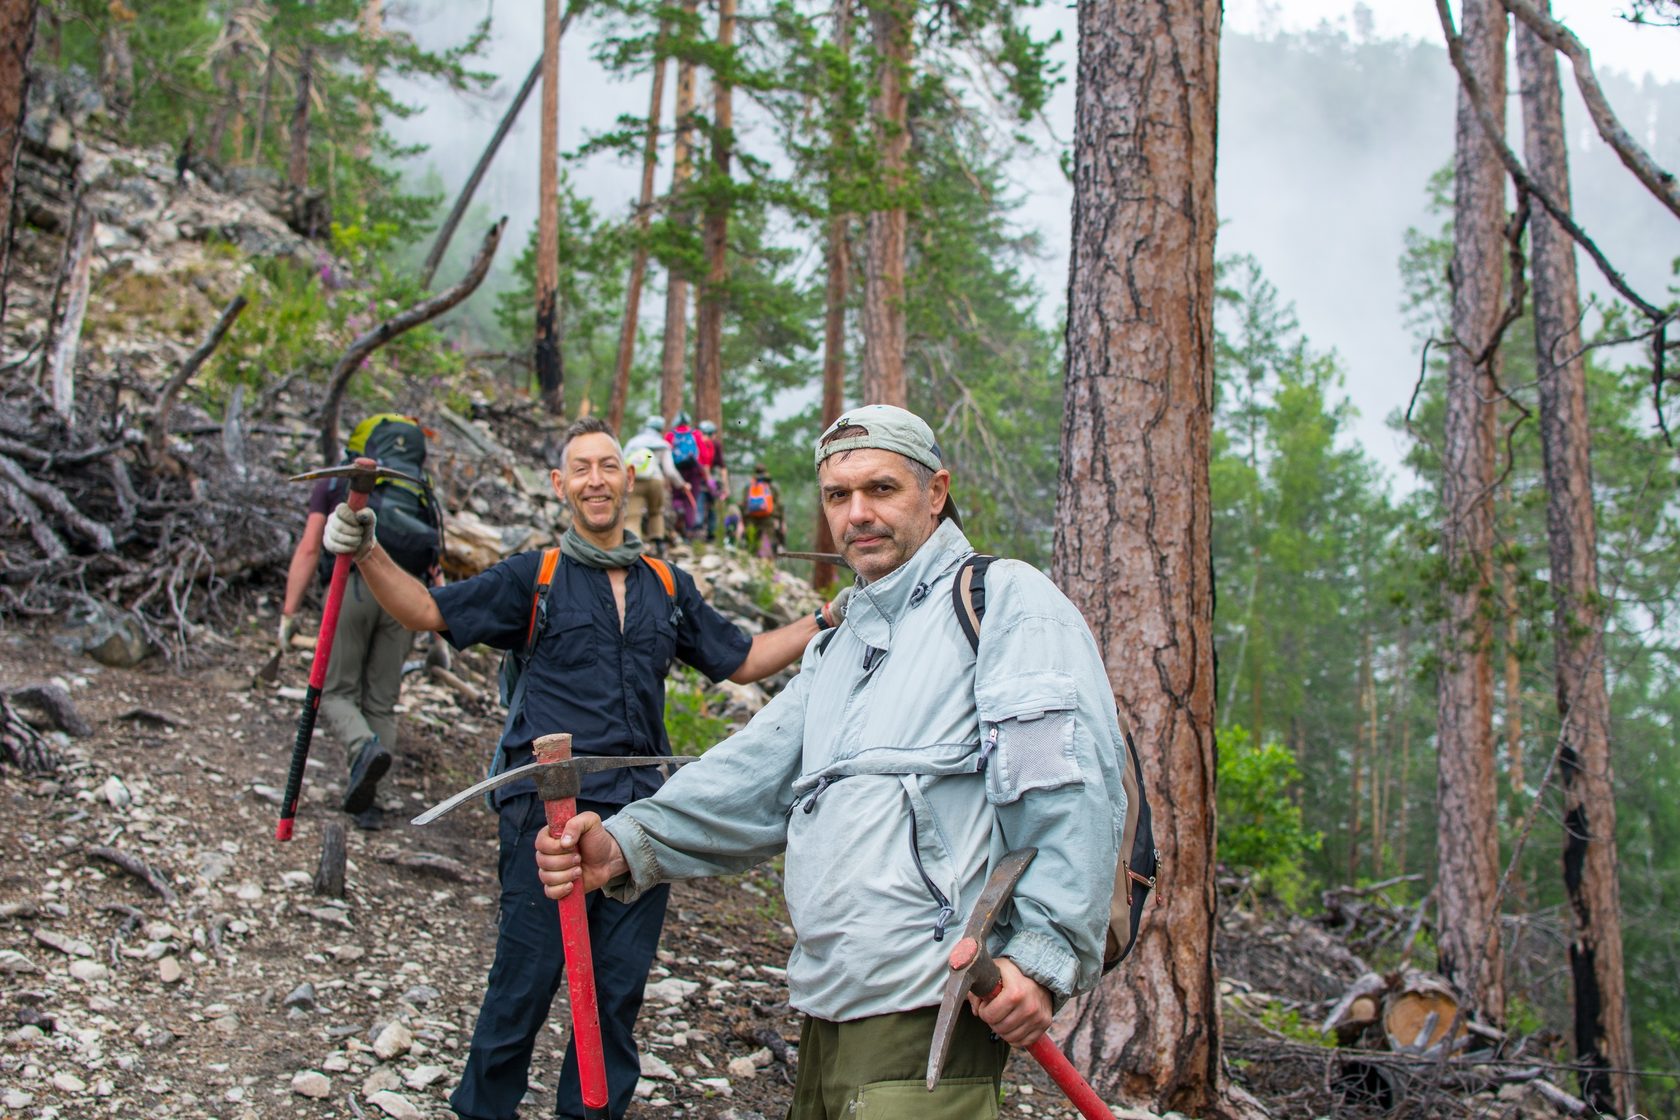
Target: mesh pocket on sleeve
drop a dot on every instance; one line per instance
(1034, 751)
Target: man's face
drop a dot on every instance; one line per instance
(878, 512)
(594, 482)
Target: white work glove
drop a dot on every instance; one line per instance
(350, 532)
(288, 628)
(836, 609)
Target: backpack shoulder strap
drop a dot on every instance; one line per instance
(539, 597)
(968, 596)
(663, 571)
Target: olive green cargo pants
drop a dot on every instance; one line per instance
(876, 1069)
(364, 676)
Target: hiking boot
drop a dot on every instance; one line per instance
(371, 819)
(371, 763)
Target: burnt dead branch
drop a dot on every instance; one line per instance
(158, 430)
(424, 311)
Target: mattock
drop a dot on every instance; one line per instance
(363, 474)
(973, 970)
(558, 775)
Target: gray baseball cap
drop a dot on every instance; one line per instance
(888, 428)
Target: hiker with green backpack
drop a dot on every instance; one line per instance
(364, 677)
(589, 631)
(936, 729)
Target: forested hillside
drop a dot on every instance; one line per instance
(1395, 703)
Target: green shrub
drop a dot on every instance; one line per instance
(688, 724)
(1260, 826)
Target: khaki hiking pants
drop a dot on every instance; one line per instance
(647, 501)
(876, 1069)
(364, 677)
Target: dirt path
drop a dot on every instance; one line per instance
(118, 1002)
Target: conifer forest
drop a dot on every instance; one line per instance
(1334, 376)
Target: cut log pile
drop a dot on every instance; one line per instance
(1313, 1024)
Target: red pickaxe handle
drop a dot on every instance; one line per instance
(357, 500)
(1061, 1071)
(580, 976)
(1048, 1055)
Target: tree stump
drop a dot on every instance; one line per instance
(1419, 1013)
(329, 876)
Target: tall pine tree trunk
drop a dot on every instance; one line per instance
(708, 325)
(638, 265)
(1602, 1034)
(673, 359)
(297, 166)
(373, 28)
(550, 373)
(838, 259)
(891, 26)
(1133, 503)
(1467, 845)
(17, 42)
(263, 101)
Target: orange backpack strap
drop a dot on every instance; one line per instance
(663, 571)
(545, 576)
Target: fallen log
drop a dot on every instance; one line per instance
(1419, 1012)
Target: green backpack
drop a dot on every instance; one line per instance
(410, 524)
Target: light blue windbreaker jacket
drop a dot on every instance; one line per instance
(896, 769)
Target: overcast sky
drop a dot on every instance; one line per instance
(1334, 257)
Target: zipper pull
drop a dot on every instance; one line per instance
(920, 593)
(986, 749)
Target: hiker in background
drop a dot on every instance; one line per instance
(686, 441)
(364, 677)
(764, 527)
(900, 763)
(594, 640)
(717, 474)
(649, 456)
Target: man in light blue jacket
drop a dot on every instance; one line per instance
(895, 770)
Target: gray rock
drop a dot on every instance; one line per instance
(302, 996)
(421, 1077)
(12, 961)
(311, 1083)
(68, 945)
(670, 990)
(420, 995)
(393, 1042)
(380, 1080)
(655, 1067)
(395, 1105)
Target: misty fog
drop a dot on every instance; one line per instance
(1327, 141)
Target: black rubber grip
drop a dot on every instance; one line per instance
(300, 758)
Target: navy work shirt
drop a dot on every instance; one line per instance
(586, 676)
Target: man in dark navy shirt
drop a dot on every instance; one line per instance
(597, 670)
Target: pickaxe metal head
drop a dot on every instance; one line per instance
(972, 967)
(362, 473)
(556, 777)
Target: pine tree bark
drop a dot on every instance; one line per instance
(1602, 1033)
(373, 28)
(708, 325)
(1133, 518)
(297, 167)
(17, 44)
(1467, 845)
(638, 264)
(891, 26)
(263, 101)
(838, 259)
(550, 371)
(673, 358)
